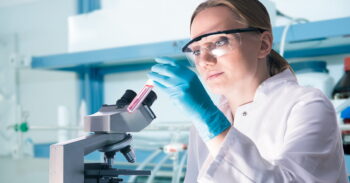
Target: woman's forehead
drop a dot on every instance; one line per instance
(214, 19)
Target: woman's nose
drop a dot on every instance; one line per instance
(206, 59)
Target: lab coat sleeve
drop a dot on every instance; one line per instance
(311, 153)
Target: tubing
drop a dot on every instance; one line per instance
(179, 170)
(143, 164)
(156, 168)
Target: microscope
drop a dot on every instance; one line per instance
(109, 129)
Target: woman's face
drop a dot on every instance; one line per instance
(237, 67)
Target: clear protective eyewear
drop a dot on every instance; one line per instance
(216, 44)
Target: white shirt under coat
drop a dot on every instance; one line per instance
(289, 133)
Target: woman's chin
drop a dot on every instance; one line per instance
(217, 89)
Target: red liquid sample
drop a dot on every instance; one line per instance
(137, 101)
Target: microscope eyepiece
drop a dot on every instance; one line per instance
(129, 95)
(151, 97)
(126, 98)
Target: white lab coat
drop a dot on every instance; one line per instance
(289, 133)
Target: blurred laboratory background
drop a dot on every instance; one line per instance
(61, 60)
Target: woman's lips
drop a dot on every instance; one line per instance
(214, 75)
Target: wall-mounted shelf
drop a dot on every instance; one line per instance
(111, 56)
(298, 34)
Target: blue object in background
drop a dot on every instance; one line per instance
(86, 6)
(41, 150)
(345, 114)
(347, 164)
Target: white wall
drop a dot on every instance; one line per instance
(41, 29)
(41, 25)
(130, 22)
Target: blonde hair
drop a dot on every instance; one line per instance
(254, 14)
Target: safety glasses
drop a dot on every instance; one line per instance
(216, 44)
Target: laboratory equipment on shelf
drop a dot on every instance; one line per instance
(342, 88)
(341, 94)
(109, 127)
(314, 74)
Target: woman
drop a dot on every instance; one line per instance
(267, 128)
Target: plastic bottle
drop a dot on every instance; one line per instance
(342, 88)
(314, 74)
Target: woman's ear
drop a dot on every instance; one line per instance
(266, 44)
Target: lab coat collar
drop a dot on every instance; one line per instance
(274, 82)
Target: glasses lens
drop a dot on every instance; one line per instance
(216, 45)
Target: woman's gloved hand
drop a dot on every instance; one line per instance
(186, 91)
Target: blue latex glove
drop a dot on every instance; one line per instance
(186, 91)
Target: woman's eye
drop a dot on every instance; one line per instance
(221, 42)
(196, 52)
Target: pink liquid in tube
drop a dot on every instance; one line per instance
(140, 97)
